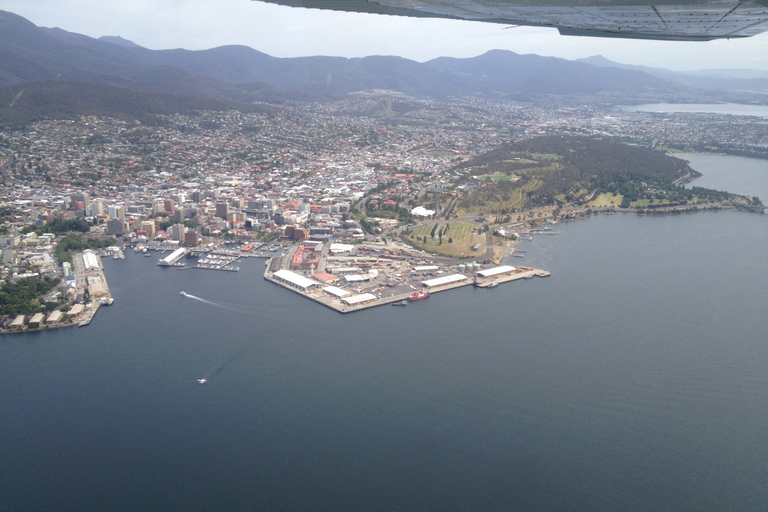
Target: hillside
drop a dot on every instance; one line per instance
(506, 73)
(22, 104)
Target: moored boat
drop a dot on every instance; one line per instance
(419, 295)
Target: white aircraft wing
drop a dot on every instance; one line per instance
(683, 20)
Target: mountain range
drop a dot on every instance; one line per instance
(37, 62)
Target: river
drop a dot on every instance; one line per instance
(734, 109)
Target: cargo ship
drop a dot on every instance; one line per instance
(419, 295)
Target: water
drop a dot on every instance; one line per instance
(735, 109)
(739, 175)
(633, 378)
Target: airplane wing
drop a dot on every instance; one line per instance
(680, 20)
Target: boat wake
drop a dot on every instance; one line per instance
(211, 303)
(217, 368)
(229, 306)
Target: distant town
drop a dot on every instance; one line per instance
(375, 199)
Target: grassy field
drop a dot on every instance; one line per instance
(606, 200)
(461, 232)
(496, 177)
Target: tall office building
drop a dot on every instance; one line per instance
(222, 209)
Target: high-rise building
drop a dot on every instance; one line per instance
(97, 207)
(222, 209)
(177, 232)
(79, 197)
(117, 227)
(116, 211)
(149, 227)
(180, 214)
(234, 217)
(191, 238)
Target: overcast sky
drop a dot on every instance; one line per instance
(288, 32)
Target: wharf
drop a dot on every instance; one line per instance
(317, 295)
(89, 314)
(525, 274)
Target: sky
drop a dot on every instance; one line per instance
(289, 32)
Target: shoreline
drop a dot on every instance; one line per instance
(89, 311)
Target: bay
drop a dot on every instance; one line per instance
(633, 378)
(736, 174)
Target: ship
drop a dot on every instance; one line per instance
(493, 285)
(183, 294)
(419, 295)
(201, 381)
(106, 302)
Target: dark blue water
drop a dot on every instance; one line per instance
(634, 378)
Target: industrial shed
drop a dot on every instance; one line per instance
(336, 292)
(90, 261)
(295, 280)
(76, 310)
(496, 271)
(443, 281)
(358, 299)
(54, 317)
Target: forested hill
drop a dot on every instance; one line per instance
(599, 162)
(576, 166)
